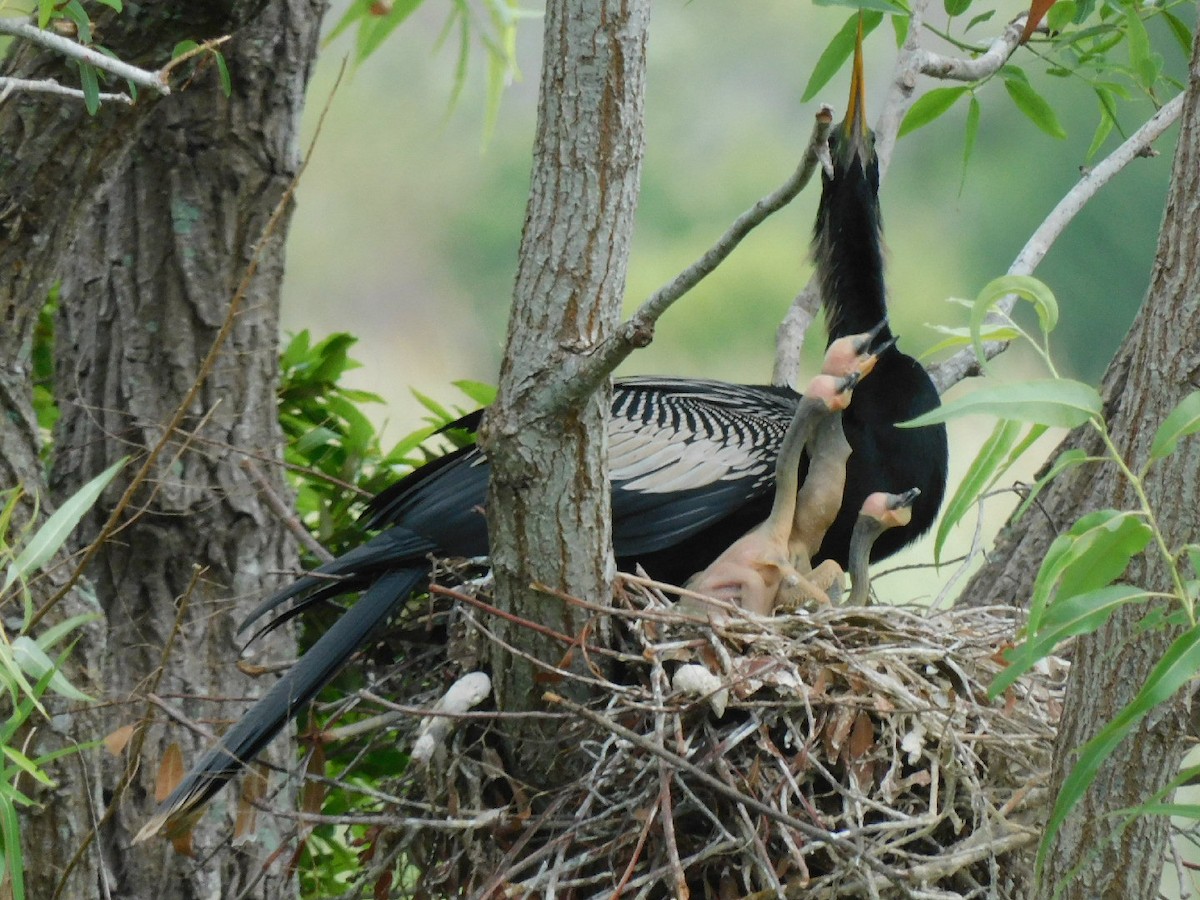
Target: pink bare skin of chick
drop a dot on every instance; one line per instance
(771, 558)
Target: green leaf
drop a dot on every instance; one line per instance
(45, 12)
(1181, 33)
(929, 106)
(969, 135)
(1025, 287)
(1091, 555)
(835, 54)
(961, 337)
(1142, 60)
(34, 662)
(55, 633)
(1057, 402)
(987, 462)
(10, 832)
(223, 73)
(1065, 460)
(1072, 616)
(1104, 126)
(900, 26)
(89, 82)
(78, 15)
(1176, 668)
(979, 19)
(374, 30)
(1060, 15)
(956, 7)
(1035, 107)
(1183, 420)
(480, 392)
(356, 11)
(54, 531)
(112, 4)
(867, 6)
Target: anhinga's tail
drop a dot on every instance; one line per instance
(264, 720)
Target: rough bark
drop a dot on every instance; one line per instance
(148, 216)
(1156, 366)
(548, 506)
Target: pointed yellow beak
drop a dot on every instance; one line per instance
(855, 123)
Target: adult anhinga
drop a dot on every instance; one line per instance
(691, 461)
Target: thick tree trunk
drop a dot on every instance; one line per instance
(1154, 369)
(548, 505)
(149, 217)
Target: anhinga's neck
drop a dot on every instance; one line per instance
(848, 246)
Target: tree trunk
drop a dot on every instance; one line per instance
(1154, 369)
(149, 217)
(548, 504)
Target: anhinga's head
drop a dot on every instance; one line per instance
(853, 141)
(847, 242)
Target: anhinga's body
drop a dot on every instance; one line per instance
(691, 461)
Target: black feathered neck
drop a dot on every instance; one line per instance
(847, 243)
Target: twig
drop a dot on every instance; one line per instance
(638, 330)
(955, 68)
(283, 512)
(67, 47)
(469, 691)
(964, 362)
(9, 86)
(723, 789)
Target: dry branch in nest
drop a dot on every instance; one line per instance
(842, 752)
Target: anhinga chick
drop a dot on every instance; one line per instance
(880, 512)
(758, 566)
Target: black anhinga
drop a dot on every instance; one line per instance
(691, 461)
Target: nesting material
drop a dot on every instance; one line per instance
(839, 752)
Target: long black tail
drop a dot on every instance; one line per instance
(268, 716)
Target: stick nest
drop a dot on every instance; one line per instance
(838, 752)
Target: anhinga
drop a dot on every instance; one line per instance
(692, 465)
(880, 512)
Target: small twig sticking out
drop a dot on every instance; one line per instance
(9, 86)
(638, 330)
(964, 363)
(156, 81)
(283, 512)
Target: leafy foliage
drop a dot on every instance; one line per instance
(30, 665)
(334, 453)
(1078, 586)
(493, 23)
(336, 461)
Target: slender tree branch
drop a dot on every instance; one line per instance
(964, 363)
(67, 47)
(952, 68)
(638, 330)
(9, 86)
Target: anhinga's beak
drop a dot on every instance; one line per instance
(856, 134)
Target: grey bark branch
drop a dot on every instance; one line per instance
(9, 86)
(964, 363)
(73, 49)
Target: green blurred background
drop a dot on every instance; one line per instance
(408, 225)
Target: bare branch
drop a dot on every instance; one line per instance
(950, 68)
(963, 363)
(75, 50)
(638, 330)
(9, 86)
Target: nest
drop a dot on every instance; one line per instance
(839, 752)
